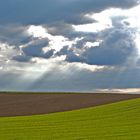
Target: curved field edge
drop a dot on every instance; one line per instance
(107, 122)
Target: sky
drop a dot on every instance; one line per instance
(70, 45)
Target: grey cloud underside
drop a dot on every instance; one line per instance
(34, 49)
(79, 80)
(88, 81)
(21, 58)
(14, 35)
(117, 46)
(49, 11)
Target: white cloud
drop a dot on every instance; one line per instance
(92, 44)
(93, 27)
(7, 52)
(55, 42)
(129, 18)
(104, 19)
(38, 31)
(127, 90)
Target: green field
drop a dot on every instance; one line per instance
(117, 121)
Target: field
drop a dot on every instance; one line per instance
(22, 104)
(114, 121)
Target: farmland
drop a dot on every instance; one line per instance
(119, 121)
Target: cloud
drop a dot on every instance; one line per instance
(48, 11)
(73, 45)
(14, 34)
(21, 58)
(114, 47)
(62, 76)
(7, 52)
(127, 90)
(35, 48)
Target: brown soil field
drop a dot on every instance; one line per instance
(34, 104)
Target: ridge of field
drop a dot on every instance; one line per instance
(116, 121)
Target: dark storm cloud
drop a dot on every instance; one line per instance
(49, 11)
